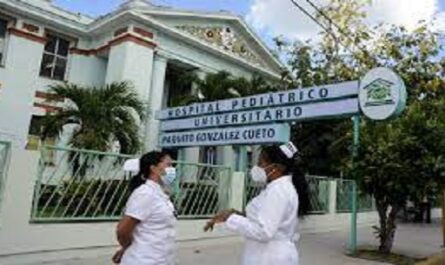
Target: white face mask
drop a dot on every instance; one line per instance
(169, 177)
(258, 174)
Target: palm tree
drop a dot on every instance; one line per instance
(103, 115)
(221, 85)
(256, 85)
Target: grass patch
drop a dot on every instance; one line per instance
(436, 260)
(391, 258)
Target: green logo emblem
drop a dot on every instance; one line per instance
(379, 93)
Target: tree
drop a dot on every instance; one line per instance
(402, 160)
(102, 115)
(398, 160)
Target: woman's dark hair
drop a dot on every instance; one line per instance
(145, 162)
(274, 155)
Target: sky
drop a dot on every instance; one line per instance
(271, 18)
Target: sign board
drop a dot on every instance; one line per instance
(290, 97)
(247, 135)
(382, 94)
(329, 109)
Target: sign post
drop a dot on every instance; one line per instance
(443, 217)
(355, 146)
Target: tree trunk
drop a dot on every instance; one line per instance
(382, 209)
(387, 230)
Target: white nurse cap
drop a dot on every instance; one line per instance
(289, 149)
(132, 165)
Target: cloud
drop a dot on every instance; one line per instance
(281, 17)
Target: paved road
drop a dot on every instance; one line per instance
(315, 249)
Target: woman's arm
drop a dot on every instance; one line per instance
(269, 216)
(124, 234)
(125, 230)
(138, 208)
(221, 217)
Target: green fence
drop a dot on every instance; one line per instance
(5, 149)
(318, 192)
(344, 195)
(203, 189)
(81, 185)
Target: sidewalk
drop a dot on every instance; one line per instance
(315, 249)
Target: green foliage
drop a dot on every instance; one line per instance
(102, 115)
(221, 85)
(398, 160)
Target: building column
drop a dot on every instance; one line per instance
(192, 154)
(156, 99)
(129, 61)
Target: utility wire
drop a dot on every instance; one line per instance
(340, 29)
(326, 29)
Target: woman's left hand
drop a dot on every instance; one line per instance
(221, 217)
(117, 257)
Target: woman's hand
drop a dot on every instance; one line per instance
(221, 217)
(117, 257)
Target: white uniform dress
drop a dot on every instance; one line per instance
(270, 225)
(154, 237)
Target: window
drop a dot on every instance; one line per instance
(208, 155)
(55, 57)
(35, 142)
(3, 30)
(35, 130)
(35, 125)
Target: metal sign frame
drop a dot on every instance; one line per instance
(380, 95)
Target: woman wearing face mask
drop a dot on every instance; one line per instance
(271, 219)
(146, 232)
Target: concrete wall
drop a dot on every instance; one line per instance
(87, 70)
(18, 85)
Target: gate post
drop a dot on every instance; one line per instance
(240, 158)
(332, 196)
(237, 190)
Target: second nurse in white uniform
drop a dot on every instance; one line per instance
(146, 233)
(271, 219)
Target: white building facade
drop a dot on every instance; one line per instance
(40, 45)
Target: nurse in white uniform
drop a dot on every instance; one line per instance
(146, 233)
(271, 219)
